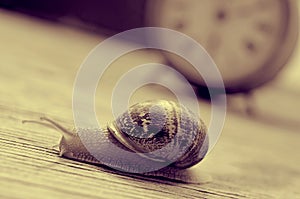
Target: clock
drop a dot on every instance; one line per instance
(249, 40)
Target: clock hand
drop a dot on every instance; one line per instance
(213, 44)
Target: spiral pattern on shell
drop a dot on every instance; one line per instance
(163, 131)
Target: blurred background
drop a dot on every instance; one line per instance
(254, 44)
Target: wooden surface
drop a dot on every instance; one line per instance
(255, 157)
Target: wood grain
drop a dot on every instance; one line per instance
(38, 65)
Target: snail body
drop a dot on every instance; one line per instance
(165, 138)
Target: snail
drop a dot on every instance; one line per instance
(154, 138)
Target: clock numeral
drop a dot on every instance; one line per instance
(221, 15)
(179, 26)
(251, 47)
(265, 28)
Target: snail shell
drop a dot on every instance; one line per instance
(165, 126)
(160, 133)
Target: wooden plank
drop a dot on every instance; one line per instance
(39, 61)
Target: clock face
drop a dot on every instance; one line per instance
(242, 36)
